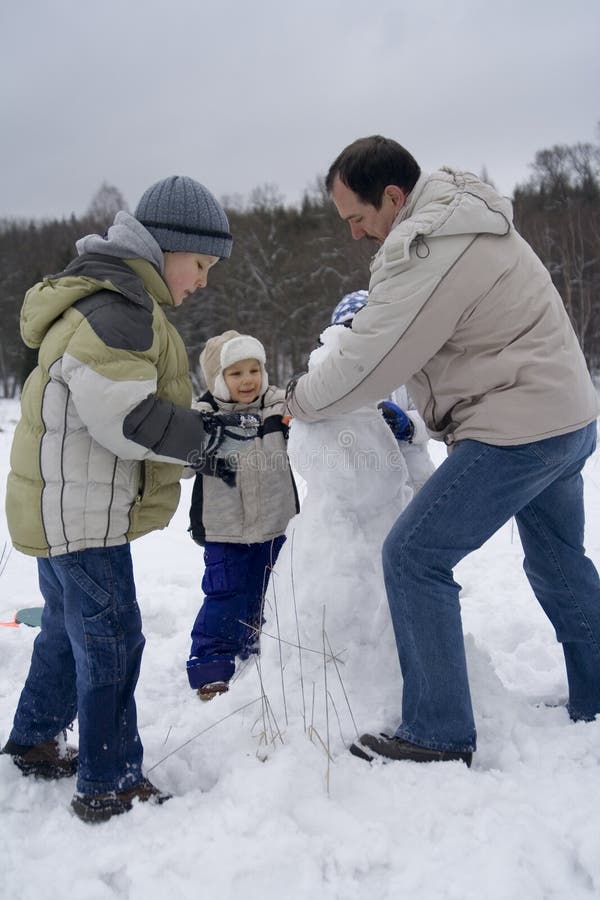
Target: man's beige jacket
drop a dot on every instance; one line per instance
(462, 311)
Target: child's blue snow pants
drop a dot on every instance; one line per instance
(229, 622)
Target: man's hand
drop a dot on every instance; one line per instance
(401, 426)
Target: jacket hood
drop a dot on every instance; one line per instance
(223, 351)
(444, 204)
(46, 301)
(126, 239)
(453, 202)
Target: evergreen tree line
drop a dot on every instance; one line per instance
(291, 265)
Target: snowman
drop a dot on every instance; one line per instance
(328, 625)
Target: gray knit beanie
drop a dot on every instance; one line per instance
(183, 216)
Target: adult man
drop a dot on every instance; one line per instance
(462, 310)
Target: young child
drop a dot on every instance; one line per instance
(239, 512)
(105, 430)
(398, 410)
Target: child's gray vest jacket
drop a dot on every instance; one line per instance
(263, 499)
(106, 419)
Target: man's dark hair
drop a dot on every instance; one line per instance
(370, 164)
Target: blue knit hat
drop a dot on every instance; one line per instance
(183, 216)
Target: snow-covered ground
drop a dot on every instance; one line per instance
(260, 809)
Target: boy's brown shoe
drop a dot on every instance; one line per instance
(50, 760)
(385, 747)
(102, 807)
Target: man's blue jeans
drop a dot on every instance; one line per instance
(85, 663)
(472, 494)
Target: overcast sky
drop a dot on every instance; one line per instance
(240, 93)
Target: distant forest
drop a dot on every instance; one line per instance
(291, 265)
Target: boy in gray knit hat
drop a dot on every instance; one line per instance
(106, 427)
(166, 205)
(178, 226)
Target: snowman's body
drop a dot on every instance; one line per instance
(354, 486)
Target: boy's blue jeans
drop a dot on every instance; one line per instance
(475, 491)
(228, 624)
(85, 663)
